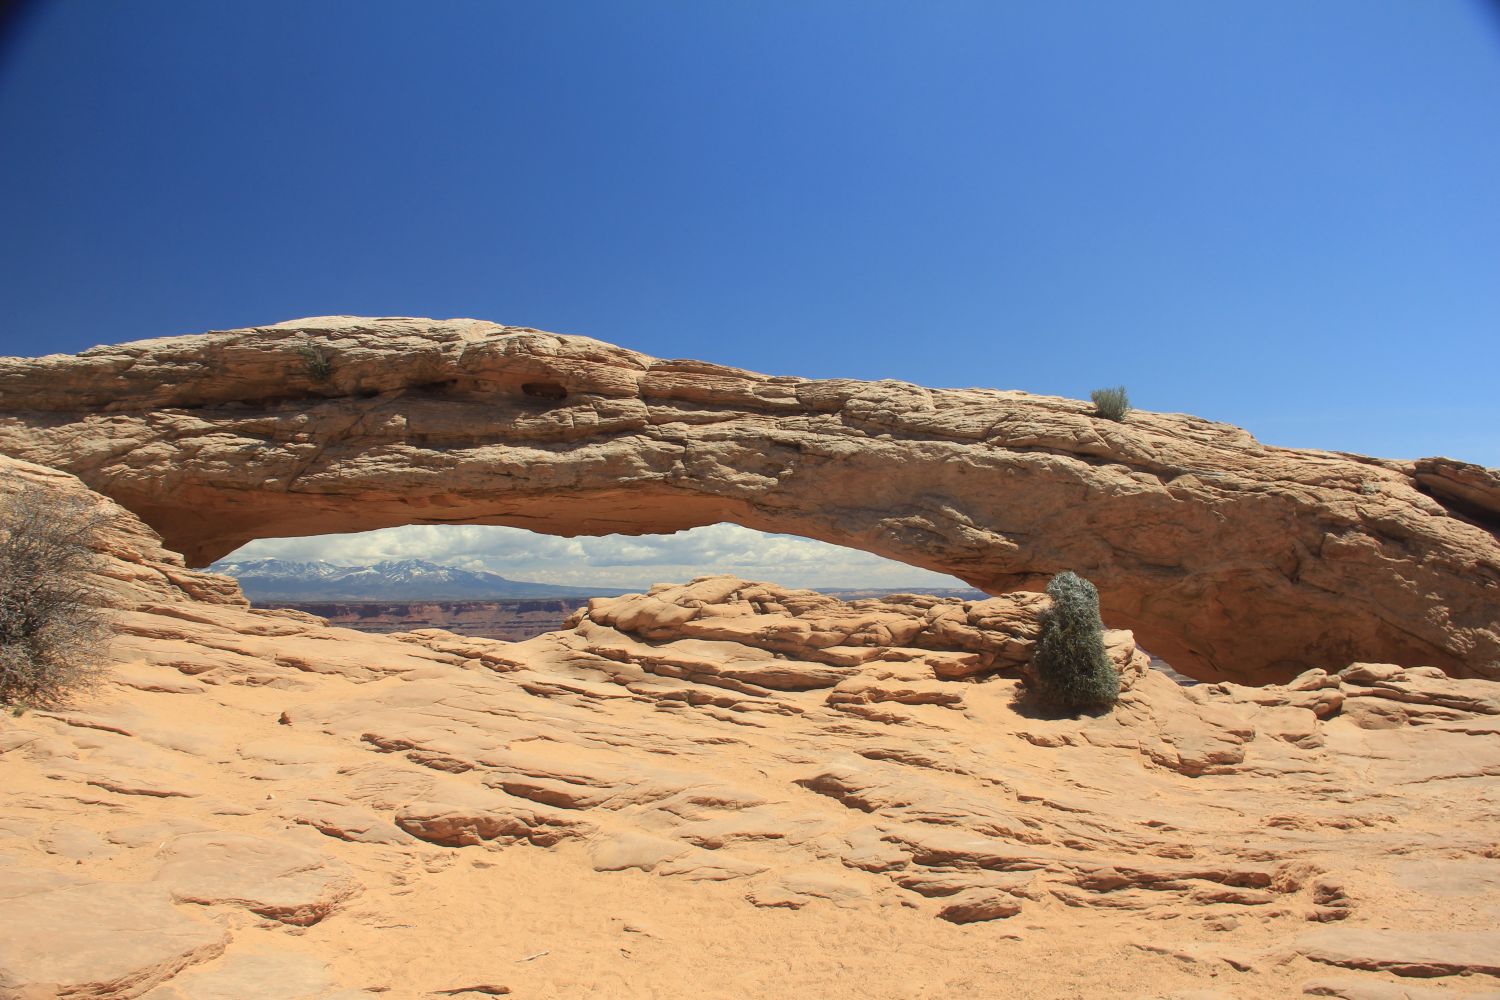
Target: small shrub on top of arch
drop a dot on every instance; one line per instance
(1111, 404)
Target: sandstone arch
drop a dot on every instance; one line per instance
(1228, 557)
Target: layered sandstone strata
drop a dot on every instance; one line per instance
(1227, 557)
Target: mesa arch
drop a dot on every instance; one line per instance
(1227, 557)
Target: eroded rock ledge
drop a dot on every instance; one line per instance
(764, 778)
(1228, 558)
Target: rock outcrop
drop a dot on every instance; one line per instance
(843, 800)
(1228, 558)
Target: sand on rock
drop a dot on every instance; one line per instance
(724, 788)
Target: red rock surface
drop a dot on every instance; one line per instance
(1230, 559)
(726, 788)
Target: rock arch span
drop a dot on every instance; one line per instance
(1228, 557)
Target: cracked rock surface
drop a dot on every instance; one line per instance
(726, 788)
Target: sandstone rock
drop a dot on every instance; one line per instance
(972, 905)
(1418, 695)
(274, 879)
(620, 851)
(754, 824)
(99, 940)
(155, 834)
(1407, 952)
(1477, 877)
(251, 976)
(867, 690)
(775, 638)
(793, 845)
(478, 989)
(135, 565)
(1471, 490)
(1192, 735)
(17, 878)
(1228, 558)
(698, 865)
(70, 840)
(795, 889)
(868, 848)
(1359, 989)
(348, 822)
(480, 819)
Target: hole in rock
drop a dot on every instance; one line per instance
(513, 584)
(510, 583)
(544, 390)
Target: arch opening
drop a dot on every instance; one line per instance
(512, 583)
(612, 562)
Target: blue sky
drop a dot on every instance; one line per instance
(1276, 213)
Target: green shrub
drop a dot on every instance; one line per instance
(1072, 672)
(1111, 404)
(53, 635)
(317, 362)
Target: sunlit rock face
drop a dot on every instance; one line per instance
(850, 798)
(1228, 558)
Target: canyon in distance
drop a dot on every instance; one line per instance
(724, 787)
(398, 596)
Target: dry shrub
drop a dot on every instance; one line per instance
(1073, 672)
(317, 361)
(53, 633)
(1111, 404)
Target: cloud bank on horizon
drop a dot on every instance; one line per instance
(633, 562)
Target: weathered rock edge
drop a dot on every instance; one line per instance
(1229, 558)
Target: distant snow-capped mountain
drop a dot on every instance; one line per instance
(392, 580)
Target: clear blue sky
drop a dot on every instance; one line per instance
(1277, 213)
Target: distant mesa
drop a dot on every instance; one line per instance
(402, 595)
(276, 580)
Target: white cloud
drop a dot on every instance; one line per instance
(625, 561)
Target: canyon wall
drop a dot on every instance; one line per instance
(512, 621)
